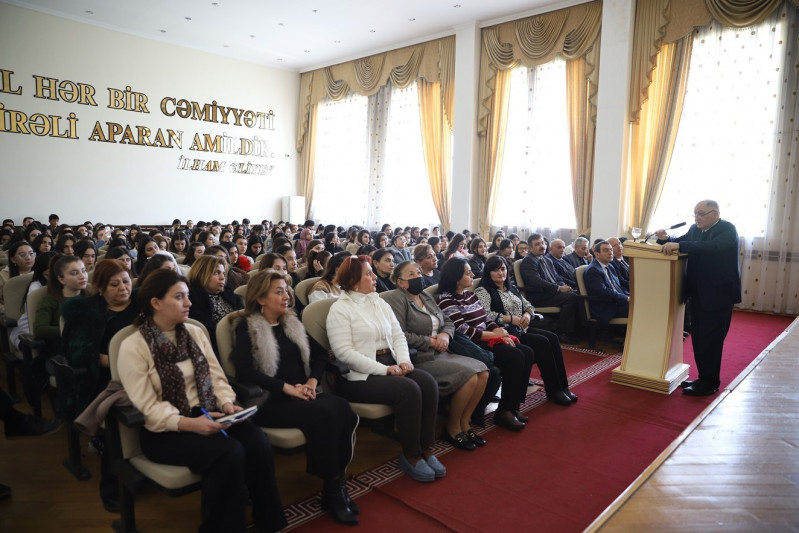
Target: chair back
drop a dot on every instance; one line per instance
(253, 271)
(302, 288)
(517, 271)
(241, 290)
(431, 290)
(475, 283)
(185, 269)
(226, 341)
(302, 272)
(14, 292)
(579, 273)
(34, 299)
(384, 294)
(314, 318)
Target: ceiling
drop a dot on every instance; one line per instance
(295, 35)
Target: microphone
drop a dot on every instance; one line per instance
(675, 226)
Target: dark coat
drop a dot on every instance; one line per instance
(201, 308)
(605, 302)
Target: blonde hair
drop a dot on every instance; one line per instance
(259, 286)
(204, 268)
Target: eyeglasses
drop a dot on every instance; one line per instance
(25, 255)
(700, 214)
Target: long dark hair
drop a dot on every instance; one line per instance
(488, 284)
(453, 244)
(451, 272)
(156, 285)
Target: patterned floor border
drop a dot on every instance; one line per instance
(310, 508)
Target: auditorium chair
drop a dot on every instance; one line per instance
(14, 292)
(241, 290)
(289, 440)
(128, 463)
(594, 326)
(33, 348)
(302, 288)
(380, 416)
(302, 271)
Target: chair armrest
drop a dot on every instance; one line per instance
(30, 341)
(9, 322)
(128, 415)
(245, 391)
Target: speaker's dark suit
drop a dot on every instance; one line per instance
(606, 300)
(712, 286)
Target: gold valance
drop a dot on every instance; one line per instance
(665, 21)
(433, 61)
(569, 33)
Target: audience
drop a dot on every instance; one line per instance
(564, 271)
(383, 267)
(20, 261)
(478, 258)
(580, 256)
(325, 288)
(607, 298)
(211, 297)
(424, 256)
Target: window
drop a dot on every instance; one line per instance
(535, 189)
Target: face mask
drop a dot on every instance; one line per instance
(415, 286)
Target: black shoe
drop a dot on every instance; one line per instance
(559, 398)
(520, 417)
(688, 383)
(460, 441)
(475, 438)
(5, 491)
(573, 397)
(333, 500)
(30, 426)
(700, 389)
(111, 505)
(350, 503)
(505, 419)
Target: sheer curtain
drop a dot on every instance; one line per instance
(369, 165)
(735, 144)
(535, 190)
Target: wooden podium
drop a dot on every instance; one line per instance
(653, 348)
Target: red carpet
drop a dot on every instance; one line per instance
(563, 470)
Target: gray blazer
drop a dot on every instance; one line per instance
(413, 320)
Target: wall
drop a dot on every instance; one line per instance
(124, 182)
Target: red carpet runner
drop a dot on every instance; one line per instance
(559, 473)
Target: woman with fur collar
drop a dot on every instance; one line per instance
(274, 351)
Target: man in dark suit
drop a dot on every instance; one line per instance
(564, 270)
(712, 287)
(608, 299)
(543, 289)
(580, 256)
(619, 264)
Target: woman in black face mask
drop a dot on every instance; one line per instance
(429, 331)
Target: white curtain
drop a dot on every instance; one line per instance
(535, 191)
(380, 175)
(737, 144)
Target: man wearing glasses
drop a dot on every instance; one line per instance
(712, 287)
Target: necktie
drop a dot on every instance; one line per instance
(610, 280)
(545, 267)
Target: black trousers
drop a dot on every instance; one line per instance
(548, 357)
(328, 424)
(567, 301)
(414, 398)
(516, 363)
(708, 331)
(231, 468)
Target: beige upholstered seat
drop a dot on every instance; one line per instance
(14, 292)
(302, 288)
(302, 272)
(240, 290)
(284, 438)
(593, 324)
(314, 318)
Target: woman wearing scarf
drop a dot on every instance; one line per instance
(171, 375)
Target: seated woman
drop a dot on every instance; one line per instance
(87, 252)
(39, 275)
(399, 249)
(429, 332)
(122, 255)
(333, 243)
(306, 236)
(145, 250)
(211, 297)
(20, 261)
(156, 262)
(424, 256)
(172, 395)
(316, 263)
(287, 252)
(435, 244)
(508, 308)
(32, 232)
(178, 245)
(66, 278)
(196, 250)
(365, 335)
(521, 251)
(237, 275)
(274, 262)
(42, 244)
(515, 362)
(366, 249)
(478, 259)
(456, 247)
(65, 245)
(314, 246)
(382, 241)
(362, 239)
(498, 236)
(383, 266)
(245, 263)
(89, 325)
(274, 351)
(325, 288)
(254, 248)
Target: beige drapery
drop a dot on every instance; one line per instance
(652, 136)
(436, 141)
(433, 61)
(572, 33)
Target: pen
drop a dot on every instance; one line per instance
(212, 419)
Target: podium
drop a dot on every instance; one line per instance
(652, 357)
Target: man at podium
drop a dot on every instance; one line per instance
(712, 287)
